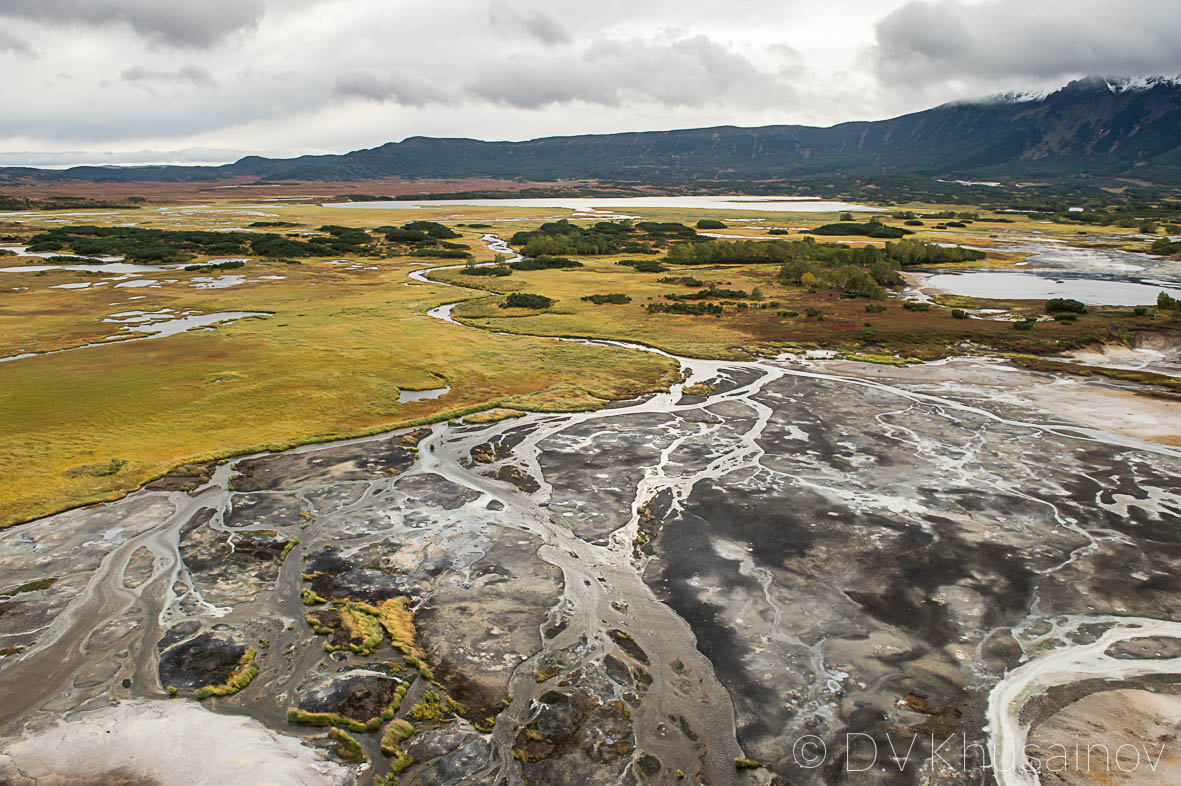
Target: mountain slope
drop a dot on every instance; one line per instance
(1091, 126)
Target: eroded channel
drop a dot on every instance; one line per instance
(814, 565)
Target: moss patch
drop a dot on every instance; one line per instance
(242, 676)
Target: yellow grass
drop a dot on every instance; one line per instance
(339, 345)
(330, 361)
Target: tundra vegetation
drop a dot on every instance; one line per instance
(279, 380)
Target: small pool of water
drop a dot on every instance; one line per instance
(23, 251)
(218, 282)
(155, 324)
(1092, 289)
(79, 285)
(182, 324)
(406, 396)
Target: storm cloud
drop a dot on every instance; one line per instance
(687, 72)
(535, 23)
(189, 23)
(1036, 40)
(399, 87)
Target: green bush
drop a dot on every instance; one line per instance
(694, 309)
(431, 229)
(544, 262)
(712, 292)
(232, 264)
(405, 236)
(526, 300)
(487, 270)
(709, 223)
(959, 313)
(614, 298)
(688, 281)
(605, 237)
(157, 246)
(869, 230)
(643, 265)
(1165, 247)
(1059, 305)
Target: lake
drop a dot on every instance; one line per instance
(1090, 288)
(739, 204)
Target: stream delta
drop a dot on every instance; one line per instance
(813, 566)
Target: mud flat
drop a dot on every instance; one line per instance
(777, 579)
(163, 742)
(855, 556)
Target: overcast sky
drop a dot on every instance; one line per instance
(121, 81)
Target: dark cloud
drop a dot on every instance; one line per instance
(1042, 40)
(533, 23)
(191, 23)
(688, 72)
(13, 45)
(190, 74)
(400, 87)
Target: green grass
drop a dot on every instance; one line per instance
(347, 747)
(242, 676)
(328, 362)
(291, 544)
(396, 732)
(32, 586)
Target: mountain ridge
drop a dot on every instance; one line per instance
(1096, 126)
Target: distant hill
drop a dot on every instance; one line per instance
(1093, 126)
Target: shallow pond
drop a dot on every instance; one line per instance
(406, 396)
(1092, 289)
(156, 324)
(737, 203)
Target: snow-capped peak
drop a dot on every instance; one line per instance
(1115, 85)
(1125, 85)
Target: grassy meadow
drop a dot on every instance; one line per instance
(338, 342)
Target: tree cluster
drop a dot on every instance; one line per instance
(557, 238)
(526, 300)
(614, 298)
